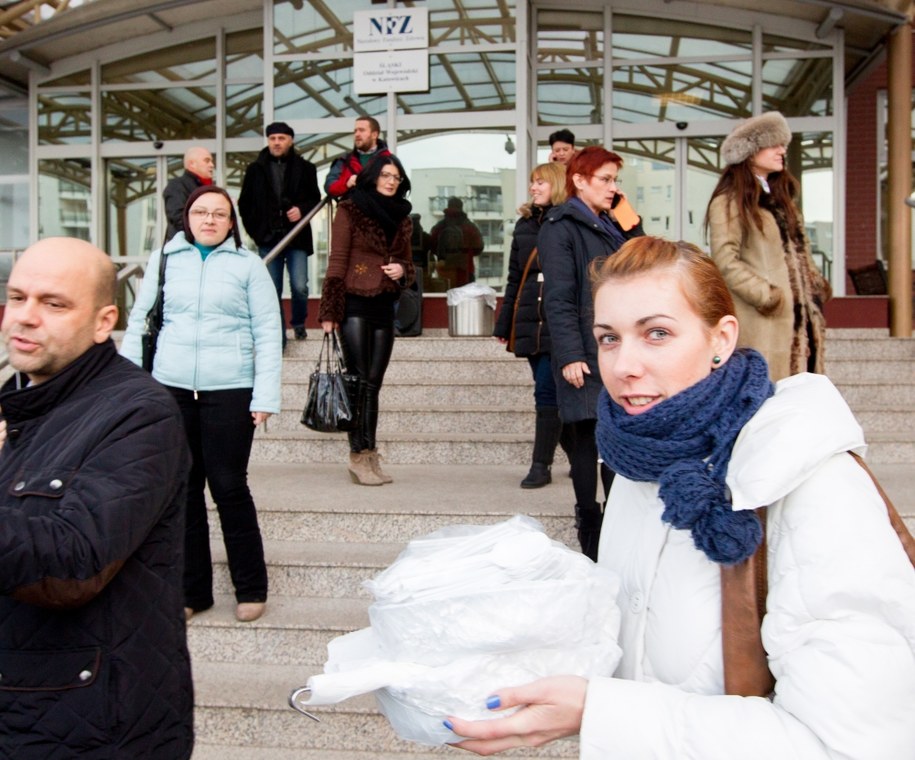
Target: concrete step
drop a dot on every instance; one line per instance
(879, 395)
(867, 345)
(850, 371)
(246, 705)
(464, 370)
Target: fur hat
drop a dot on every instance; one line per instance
(751, 136)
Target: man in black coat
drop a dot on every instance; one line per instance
(198, 171)
(93, 468)
(279, 188)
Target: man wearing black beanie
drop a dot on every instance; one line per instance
(279, 188)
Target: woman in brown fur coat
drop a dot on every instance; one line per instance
(370, 262)
(758, 242)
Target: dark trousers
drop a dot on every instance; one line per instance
(367, 347)
(583, 457)
(544, 382)
(219, 431)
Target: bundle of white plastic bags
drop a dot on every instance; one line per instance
(465, 611)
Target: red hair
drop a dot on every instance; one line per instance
(702, 284)
(587, 161)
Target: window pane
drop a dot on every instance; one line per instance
(78, 79)
(649, 181)
(64, 196)
(195, 60)
(244, 55)
(64, 118)
(182, 113)
(465, 81)
(303, 28)
(798, 88)
(570, 37)
(643, 37)
(130, 186)
(647, 93)
(318, 89)
(477, 168)
(244, 110)
(570, 96)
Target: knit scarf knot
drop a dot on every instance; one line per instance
(684, 443)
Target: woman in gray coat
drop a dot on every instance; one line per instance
(574, 234)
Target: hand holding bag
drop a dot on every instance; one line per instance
(331, 405)
(154, 318)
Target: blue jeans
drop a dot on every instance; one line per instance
(296, 261)
(544, 384)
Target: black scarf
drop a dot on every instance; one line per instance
(388, 211)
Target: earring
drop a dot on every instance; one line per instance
(716, 360)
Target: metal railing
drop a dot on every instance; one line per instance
(299, 226)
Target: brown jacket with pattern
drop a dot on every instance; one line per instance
(358, 250)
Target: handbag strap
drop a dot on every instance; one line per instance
(527, 269)
(743, 605)
(338, 353)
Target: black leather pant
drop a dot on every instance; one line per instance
(367, 348)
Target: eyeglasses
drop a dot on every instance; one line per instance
(387, 177)
(220, 215)
(608, 180)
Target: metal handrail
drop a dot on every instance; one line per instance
(299, 226)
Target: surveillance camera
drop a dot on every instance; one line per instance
(681, 125)
(158, 145)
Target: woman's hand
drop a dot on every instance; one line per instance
(259, 417)
(574, 373)
(2, 433)
(329, 326)
(552, 709)
(393, 270)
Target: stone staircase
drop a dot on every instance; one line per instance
(455, 430)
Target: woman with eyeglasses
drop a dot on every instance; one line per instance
(219, 354)
(757, 239)
(575, 233)
(370, 263)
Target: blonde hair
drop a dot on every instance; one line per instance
(555, 174)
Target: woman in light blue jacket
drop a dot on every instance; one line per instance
(219, 354)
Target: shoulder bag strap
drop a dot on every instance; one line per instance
(905, 538)
(527, 269)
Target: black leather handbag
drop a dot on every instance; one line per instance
(332, 405)
(154, 318)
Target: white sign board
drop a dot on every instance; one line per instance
(391, 71)
(390, 29)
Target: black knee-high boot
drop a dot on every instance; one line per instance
(546, 436)
(588, 521)
(356, 436)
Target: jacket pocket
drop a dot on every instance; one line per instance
(49, 671)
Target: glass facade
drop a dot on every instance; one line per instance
(661, 94)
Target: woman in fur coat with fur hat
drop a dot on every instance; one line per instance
(370, 262)
(757, 239)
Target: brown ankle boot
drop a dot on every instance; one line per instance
(360, 469)
(375, 459)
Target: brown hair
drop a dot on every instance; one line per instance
(203, 190)
(738, 183)
(374, 126)
(703, 286)
(587, 161)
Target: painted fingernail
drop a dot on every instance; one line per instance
(493, 703)
(447, 724)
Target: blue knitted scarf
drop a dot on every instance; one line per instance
(685, 444)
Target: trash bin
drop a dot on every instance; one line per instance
(471, 310)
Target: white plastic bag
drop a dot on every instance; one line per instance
(471, 291)
(465, 611)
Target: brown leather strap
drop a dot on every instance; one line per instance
(905, 538)
(743, 604)
(527, 268)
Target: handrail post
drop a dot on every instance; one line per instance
(299, 226)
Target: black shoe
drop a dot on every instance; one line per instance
(538, 477)
(300, 333)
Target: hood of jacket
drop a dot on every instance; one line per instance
(779, 447)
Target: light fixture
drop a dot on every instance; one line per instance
(910, 201)
(509, 145)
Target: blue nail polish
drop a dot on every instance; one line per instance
(447, 724)
(493, 703)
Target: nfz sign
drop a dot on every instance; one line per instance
(390, 29)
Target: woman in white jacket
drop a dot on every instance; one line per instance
(699, 438)
(219, 354)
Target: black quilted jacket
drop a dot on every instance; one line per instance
(93, 657)
(522, 309)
